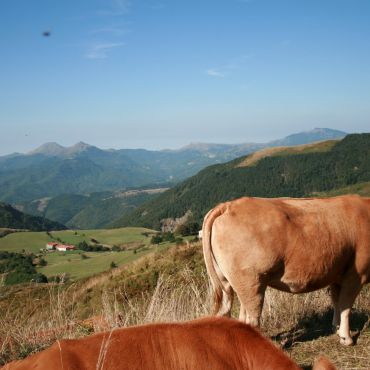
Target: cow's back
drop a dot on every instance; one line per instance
(299, 244)
(215, 343)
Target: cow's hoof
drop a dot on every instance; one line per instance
(346, 341)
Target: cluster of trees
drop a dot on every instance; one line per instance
(190, 227)
(19, 268)
(165, 237)
(92, 248)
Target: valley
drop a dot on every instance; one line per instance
(301, 171)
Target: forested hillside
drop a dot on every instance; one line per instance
(89, 211)
(290, 173)
(14, 219)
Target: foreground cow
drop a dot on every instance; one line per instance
(293, 245)
(211, 343)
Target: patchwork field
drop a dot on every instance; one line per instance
(81, 264)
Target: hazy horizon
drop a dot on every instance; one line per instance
(71, 144)
(160, 74)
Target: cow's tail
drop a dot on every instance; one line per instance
(222, 293)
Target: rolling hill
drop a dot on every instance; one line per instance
(89, 211)
(52, 169)
(294, 172)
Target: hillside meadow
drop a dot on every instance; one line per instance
(78, 264)
(135, 243)
(170, 285)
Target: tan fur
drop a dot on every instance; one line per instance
(294, 245)
(323, 364)
(210, 343)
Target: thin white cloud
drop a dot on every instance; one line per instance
(233, 65)
(101, 50)
(213, 72)
(117, 8)
(113, 30)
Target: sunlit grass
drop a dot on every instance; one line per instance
(73, 264)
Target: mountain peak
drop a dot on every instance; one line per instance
(56, 150)
(50, 148)
(317, 134)
(78, 147)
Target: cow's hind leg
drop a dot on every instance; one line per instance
(334, 294)
(251, 294)
(350, 287)
(242, 313)
(227, 300)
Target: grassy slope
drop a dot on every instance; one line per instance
(318, 147)
(119, 236)
(29, 241)
(33, 241)
(72, 264)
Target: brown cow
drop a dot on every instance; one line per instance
(293, 245)
(210, 343)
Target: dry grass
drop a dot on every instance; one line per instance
(319, 146)
(299, 323)
(23, 333)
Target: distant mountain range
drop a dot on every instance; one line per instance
(332, 166)
(52, 170)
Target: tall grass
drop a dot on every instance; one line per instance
(168, 302)
(285, 317)
(34, 328)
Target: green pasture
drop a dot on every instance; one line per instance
(76, 267)
(105, 236)
(29, 241)
(34, 241)
(71, 262)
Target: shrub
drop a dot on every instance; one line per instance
(188, 228)
(156, 239)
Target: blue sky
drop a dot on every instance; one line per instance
(162, 73)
